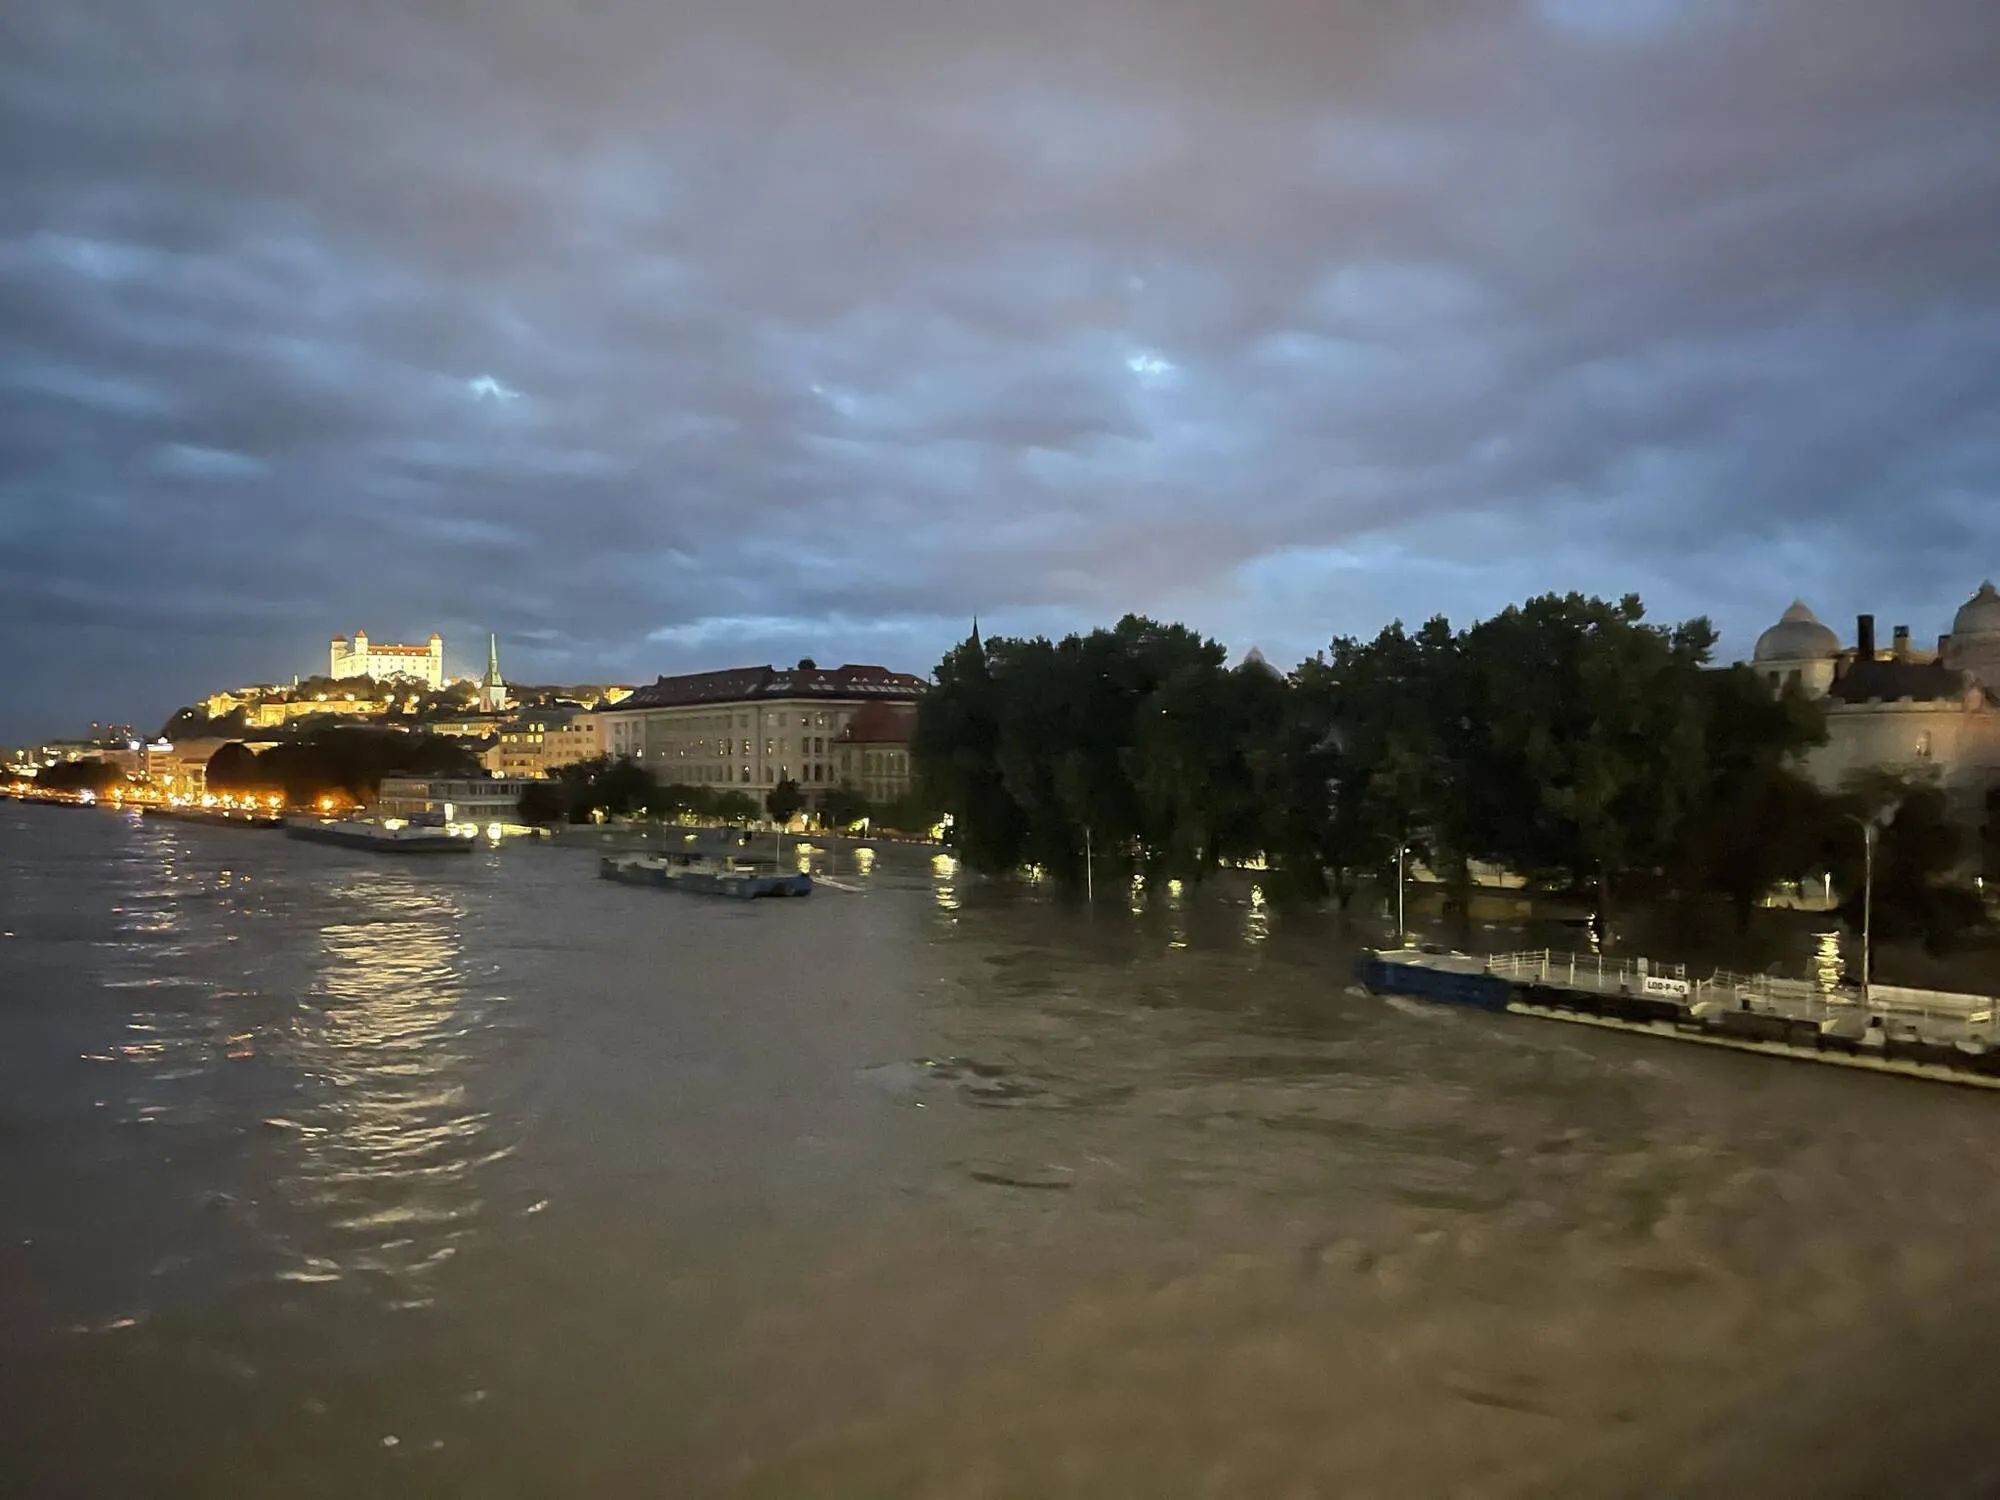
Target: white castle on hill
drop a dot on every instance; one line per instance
(362, 658)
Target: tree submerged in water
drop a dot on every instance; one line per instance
(784, 800)
(622, 788)
(1919, 848)
(1566, 739)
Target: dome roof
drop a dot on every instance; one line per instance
(1979, 615)
(1798, 636)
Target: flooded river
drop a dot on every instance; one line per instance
(324, 1174)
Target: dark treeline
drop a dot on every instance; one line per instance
(1565, 739)
(345, 762)
(623, 788)
(91, 774)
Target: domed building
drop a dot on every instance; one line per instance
(1924, 713)
(1798, 651)
(1974, 643)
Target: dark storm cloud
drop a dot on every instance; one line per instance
(661, 336)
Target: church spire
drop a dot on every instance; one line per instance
(492, 687)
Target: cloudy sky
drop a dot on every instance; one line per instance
(658, 336)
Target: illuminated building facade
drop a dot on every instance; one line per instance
(750, 727)
(541, 740)
(363, 658)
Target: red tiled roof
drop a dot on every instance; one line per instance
(744, 684)
(881, 724)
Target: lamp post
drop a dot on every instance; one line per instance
(1867, 897)
(1401, 847)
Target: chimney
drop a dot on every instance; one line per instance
(1901, 648)
(1864, 637)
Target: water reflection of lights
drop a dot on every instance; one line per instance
(389, 1142)
(945, 868)
(1827, 969)
(1257, 926)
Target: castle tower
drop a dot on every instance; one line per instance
(492, 687)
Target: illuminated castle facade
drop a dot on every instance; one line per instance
(361, 657)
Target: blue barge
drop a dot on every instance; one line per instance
(1951, 1038)
(1454, 978)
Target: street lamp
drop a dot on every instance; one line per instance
(1401, 847)
(1867, 897)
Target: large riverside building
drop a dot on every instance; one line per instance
(1907, 709)
(873, 752)
(362, 658)
(541, 740)
(749, 727)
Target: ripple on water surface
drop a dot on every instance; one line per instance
(920, 1187)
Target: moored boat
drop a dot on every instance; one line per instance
(417, 835)
(703, 875)
(222, 817)
(1432, 974)
(1916, 1033)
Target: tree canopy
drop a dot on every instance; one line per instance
(843, 805)
(90, 774)
(1566, 738)
(623, 788)
(351, 762)
(784, 801)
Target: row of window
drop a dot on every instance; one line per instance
(809, 745)
(774, 719)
